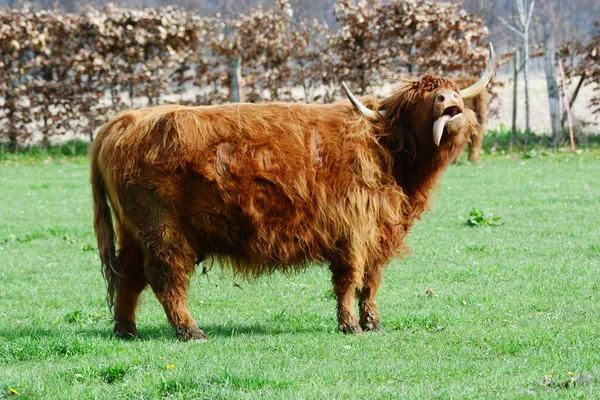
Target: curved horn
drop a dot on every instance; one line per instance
(478, 86)
(366, 112)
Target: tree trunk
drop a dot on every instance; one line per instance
(10, 105)
(526, 80)
(131, 93)
(45, 139)
(551, 85)
(513, 131)
(235, 78)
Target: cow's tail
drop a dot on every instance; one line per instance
(103, 226)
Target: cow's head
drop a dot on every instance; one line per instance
(432, 109)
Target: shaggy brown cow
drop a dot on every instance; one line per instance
(479, 104)
(270, 187)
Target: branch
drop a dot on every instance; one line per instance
(530, 14)
(521, 12)
(512, 28)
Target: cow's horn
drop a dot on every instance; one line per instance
(478, 86)
(366, 112)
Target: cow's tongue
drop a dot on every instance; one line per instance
(438, 127)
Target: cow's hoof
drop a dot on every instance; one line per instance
(126, 330)
(191, 334)
(355, 329)
(372, 326)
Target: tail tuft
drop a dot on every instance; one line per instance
(105, 234)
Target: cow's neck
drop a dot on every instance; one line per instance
(418, 176)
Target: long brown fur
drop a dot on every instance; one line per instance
(260, 188)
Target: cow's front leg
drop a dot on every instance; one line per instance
(344, 287)
(369, 315)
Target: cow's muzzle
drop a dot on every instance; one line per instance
(448, 105)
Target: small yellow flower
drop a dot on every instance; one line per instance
(570, 373)
(170, 367)
(14, 392)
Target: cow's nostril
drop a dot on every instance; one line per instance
(440, 98)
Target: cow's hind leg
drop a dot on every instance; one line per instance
(169, 261)
(369, 315)
(131, 284)
(475, 146)
(344, 286)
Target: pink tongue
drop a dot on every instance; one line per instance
(438, 127)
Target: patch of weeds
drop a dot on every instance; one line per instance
(554, 382)
(594, 248)
(480, 218)
(328, 295)
(88, 247)
(429, 323)
(248, 383)
(40, 186)
(30, 349)
(508, 346)
(113, 374)
(77, 317)
(69, 349)
(73, 317)
(280, 317)
(535, 153)
(42, 234)
(9, 392)
(434, 326)
(476, 248)
(172, 386)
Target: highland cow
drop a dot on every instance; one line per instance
(268, 187)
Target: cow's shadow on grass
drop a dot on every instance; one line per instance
(158, 332)
(164, 332)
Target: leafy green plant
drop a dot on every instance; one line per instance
(113, 374)
(82, 319)
(480, 218)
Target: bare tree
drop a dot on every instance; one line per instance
(552, 86)
(513, 130)
(522, 31)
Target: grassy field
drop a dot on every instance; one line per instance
(513, 311)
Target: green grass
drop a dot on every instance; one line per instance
(513, 311)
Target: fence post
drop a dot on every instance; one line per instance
(235, 78)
